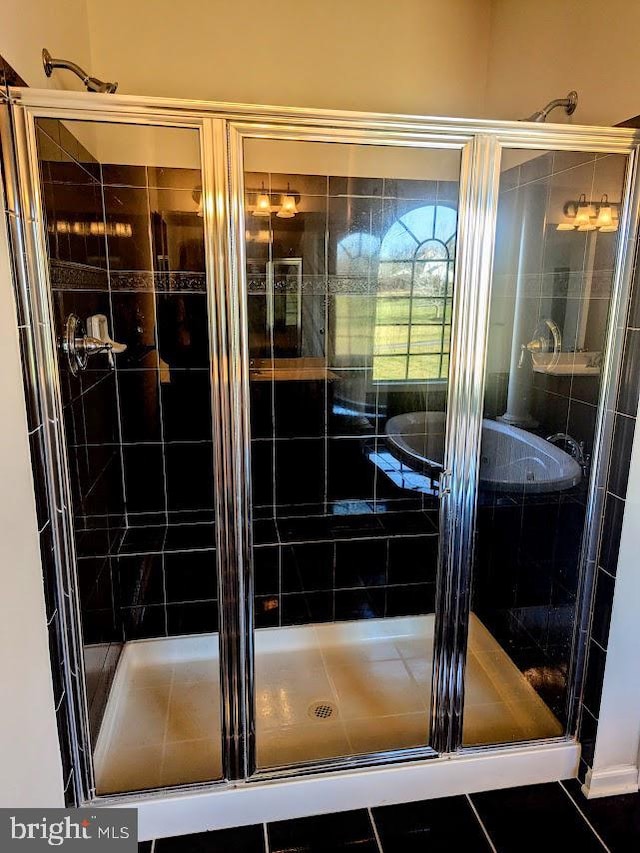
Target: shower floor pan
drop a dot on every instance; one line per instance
(321, 691)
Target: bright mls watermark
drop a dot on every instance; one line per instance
(106, 830)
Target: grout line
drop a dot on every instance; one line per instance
(375, 830)
(480, 821)
(266, 838)
(596, 643)
(583, 815)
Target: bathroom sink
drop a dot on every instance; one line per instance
(511, 459)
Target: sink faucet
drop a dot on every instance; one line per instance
(576, 449)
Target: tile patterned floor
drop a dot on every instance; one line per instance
(372, 679)
(550, 818)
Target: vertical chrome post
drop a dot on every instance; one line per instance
(231, 431)
(479, 177)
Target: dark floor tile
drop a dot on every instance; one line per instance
(433, 825)
(323, 833)
(240, 839)
(534, 818)
(615, 819)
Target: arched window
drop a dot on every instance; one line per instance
(414, 296)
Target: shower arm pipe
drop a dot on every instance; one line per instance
(93, 84)
(569, 105)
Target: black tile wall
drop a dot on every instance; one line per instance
(344, 541)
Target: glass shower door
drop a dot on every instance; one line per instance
(555, 256)
(122, 214)
(350, 254)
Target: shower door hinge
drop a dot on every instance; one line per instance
(445, 483)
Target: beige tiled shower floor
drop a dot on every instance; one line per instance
(370, 681)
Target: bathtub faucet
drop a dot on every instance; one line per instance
(577, 449)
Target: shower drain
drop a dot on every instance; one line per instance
(321, 710)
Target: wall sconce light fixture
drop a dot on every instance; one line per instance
(584, 215)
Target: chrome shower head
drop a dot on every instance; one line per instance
(92, 83)
(569, 105)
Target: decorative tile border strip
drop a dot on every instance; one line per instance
(162, 282)
(71, 276)
(130, 280)
(181, 282)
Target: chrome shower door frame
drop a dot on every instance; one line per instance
(222, 128)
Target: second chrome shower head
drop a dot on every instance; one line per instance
(569, 105)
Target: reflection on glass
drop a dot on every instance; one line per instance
(552, 283)
(126, 243)
(349, 307)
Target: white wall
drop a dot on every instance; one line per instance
(412, 56)
(59, 25)
(615, 765)
(541, 49)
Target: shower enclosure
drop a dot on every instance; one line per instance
(327, 406)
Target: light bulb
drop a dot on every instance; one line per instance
(288, 207)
